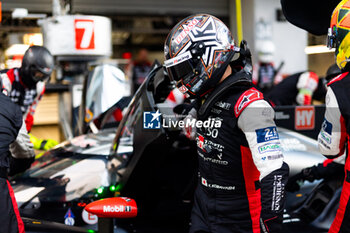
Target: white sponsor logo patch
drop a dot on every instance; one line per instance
(277, 194)
(178, 59)
(116, 209)
(183, 89)
(69, 221)
(269, 147)
(89, 218)
(216, 186)
(204, 182)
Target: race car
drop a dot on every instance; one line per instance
(155, 167)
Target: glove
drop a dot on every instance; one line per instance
(296, 181)
(323, 170)
(304, 97)
(42, 144)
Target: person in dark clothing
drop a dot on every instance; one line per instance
(14, 143)
(265, 74)
(241, 170)
(297, 89)
(301, 88)
(141, 68)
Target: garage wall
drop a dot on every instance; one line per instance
(182, 7)
(289, 40)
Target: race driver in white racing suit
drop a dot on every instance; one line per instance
(241, 170)
(333, 139)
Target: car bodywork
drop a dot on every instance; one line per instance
(155, 167)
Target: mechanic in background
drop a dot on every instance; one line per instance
(14, 138)
(333, 139)
(265, 75)
(141, 68)
(297, 89)
(239, 188)
(26, 85)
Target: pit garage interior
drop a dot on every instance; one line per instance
(140, 24)
(135, 25)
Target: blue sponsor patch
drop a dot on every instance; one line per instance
(327, 126)
(69, 218)
(266, 134)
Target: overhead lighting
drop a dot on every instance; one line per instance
(316, 49)
(22, 13)
(19, 13)
(33, 39)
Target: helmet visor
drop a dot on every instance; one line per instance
(37, 75)
(180, 66)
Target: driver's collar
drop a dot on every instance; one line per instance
(237, 79)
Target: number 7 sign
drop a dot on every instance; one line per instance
(84, 34)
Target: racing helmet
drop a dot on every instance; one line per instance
(338, 33)
(37, 65)
(197, 52)
(266, 51)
